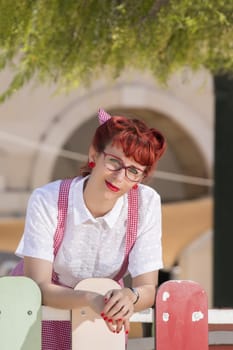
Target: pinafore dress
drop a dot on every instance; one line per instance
(57, 334)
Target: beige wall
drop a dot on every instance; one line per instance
(195, 263)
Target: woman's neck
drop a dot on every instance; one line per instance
(95, 201)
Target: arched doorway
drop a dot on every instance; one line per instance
(183, 155)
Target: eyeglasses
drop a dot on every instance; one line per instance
(114, 163)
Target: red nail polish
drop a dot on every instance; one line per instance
(102, 314)
(110, 320)
(126, 332)
(119, 319)
(105, 318)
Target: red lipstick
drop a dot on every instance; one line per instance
(112, 187)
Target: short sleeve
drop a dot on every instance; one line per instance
(146, 255)
(40, 223)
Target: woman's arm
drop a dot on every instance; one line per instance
(54, 295)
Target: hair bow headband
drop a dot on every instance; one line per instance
(103, 116)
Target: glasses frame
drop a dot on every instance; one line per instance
(123, 167)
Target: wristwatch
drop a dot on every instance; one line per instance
(135, 291)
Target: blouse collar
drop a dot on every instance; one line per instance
(81, 212)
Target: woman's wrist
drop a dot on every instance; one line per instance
(136, 294)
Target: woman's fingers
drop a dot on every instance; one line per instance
(118, 325)
(117, 305)
(111, 324)
(127, 326)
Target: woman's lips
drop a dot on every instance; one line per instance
(112, 187)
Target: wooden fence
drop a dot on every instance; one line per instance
(182, 318)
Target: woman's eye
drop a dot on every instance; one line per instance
(133, 171)
(115, 162)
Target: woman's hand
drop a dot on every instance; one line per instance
(119, 303)
(118, 309)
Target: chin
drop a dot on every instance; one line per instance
(112, 195)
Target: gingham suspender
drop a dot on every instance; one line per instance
(62, 205)
(63, 200)
(132, 223)
(131, 233)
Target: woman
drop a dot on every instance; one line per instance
(123, 153)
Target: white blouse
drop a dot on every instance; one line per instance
(91, 247)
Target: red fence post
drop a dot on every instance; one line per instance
(181, 316)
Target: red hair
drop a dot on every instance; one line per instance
(145, 145)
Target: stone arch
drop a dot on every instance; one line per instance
(127, 95)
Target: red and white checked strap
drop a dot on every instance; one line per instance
(131, 233)
(63, 200)
(57, 334)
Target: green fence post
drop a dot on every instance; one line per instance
(20, 314)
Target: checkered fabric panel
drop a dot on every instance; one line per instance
(131, 233)
(56, 335)
(62, 204)
(62, 212)
(132, 224)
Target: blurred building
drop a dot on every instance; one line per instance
(45, 137)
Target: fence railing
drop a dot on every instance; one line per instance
(182, 318)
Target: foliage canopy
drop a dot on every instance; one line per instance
(73, 41)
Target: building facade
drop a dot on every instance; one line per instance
(44, 136)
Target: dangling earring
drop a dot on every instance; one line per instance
(135, 186)
(91, 165)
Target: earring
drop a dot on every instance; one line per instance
(91, 165)
(135, 187)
